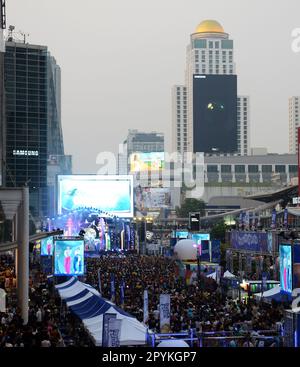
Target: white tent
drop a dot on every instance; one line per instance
(271, 293)
(89, 306)
(227, 274)
(212, 275)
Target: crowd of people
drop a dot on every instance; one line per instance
(202, 305)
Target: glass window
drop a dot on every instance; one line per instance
(226, 168)
(253, 168)
(266, 168)
(239, 168)
(280, 168)
(212, 168)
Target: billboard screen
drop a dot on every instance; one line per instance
(181, 234)
(251, 241)
(68, 257)
(285, 259)
(109, 193)
(47, 246)
(153, 161)
(147, 198)
(215, 113)
(198, 237)
(296, 266)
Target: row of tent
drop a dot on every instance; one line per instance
(87, 303)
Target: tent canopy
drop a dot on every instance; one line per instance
(89, 306)
(227, 274)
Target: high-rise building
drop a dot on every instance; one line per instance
(293, 124)
(179, 119)
(243, 125)
(210, 52)
(33, 121)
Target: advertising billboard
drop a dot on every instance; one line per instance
(285, 260)
(68, 257)
(153, 161)
(216, 251)
(47, 246)
(198, 237)
(147, 198)
(296, 266)
(110, 193)
(181, 234)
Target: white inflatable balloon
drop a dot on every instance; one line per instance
(186, 250)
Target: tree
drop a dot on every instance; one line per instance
(190, 205)
(218, 231)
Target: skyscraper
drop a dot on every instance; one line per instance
(210, 52)
(33, 121)
(293, 124)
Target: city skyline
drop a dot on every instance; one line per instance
(128, 65)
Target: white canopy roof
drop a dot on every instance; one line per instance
(87, 304)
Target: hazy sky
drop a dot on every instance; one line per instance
(120, 58)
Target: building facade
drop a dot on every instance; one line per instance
(33, 129)
(293, 124)
(210, 52)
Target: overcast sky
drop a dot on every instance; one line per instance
(120, 58)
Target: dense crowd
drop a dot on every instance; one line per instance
(206, 309)
(202, 306)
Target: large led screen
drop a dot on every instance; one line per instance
(69, 257)
(109, 193)
(296, 266)
(198, 237)
(285, 258)
(215, 113)
(47, 246)
(153, 161)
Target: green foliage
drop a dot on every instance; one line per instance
(190, 205)
(218, 231)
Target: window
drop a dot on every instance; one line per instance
(226, 168)
(212, 169)
(266, 168)
(239, 168)
(279, 168)
(252, 168)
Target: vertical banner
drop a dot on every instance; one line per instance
(2, 300)
(298, 164)
(285, 218)
(218, 274)
(122, 292)
(165, 310)
(249, 263)
(99, 282)
(227, 260)
(246, 220)
(216, 251)
(112, 288)
(257, 264)
(241, 217)
(114, 333)
(105, 327)
(240, 262)
(273, 223)
(264, 282)
(231, 262)
(146, 311)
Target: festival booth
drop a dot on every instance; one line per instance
(89, 306)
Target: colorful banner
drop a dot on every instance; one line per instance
(146, 310)
(122, 292)
(285, 218)
(165, 310)
(114, 333)
(112, 288)
(273, 223)
(296, 266)
(105, 328)
(205, 250)
(216, 251)
(285, 259)
(249, 241)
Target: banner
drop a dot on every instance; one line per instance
(114, 332)
(227, 260)
(249, 263)
(165, 310)
(218, 274)
(105, 328)
(285, 218)
(264, 282)
(205, 250)
(216, 251)
(241, 220)
(246, 220)
(240, 262)
(122, 292)
(146, 311)
(2, 300)
(273, 223)
(250, 241)
(112, 288)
